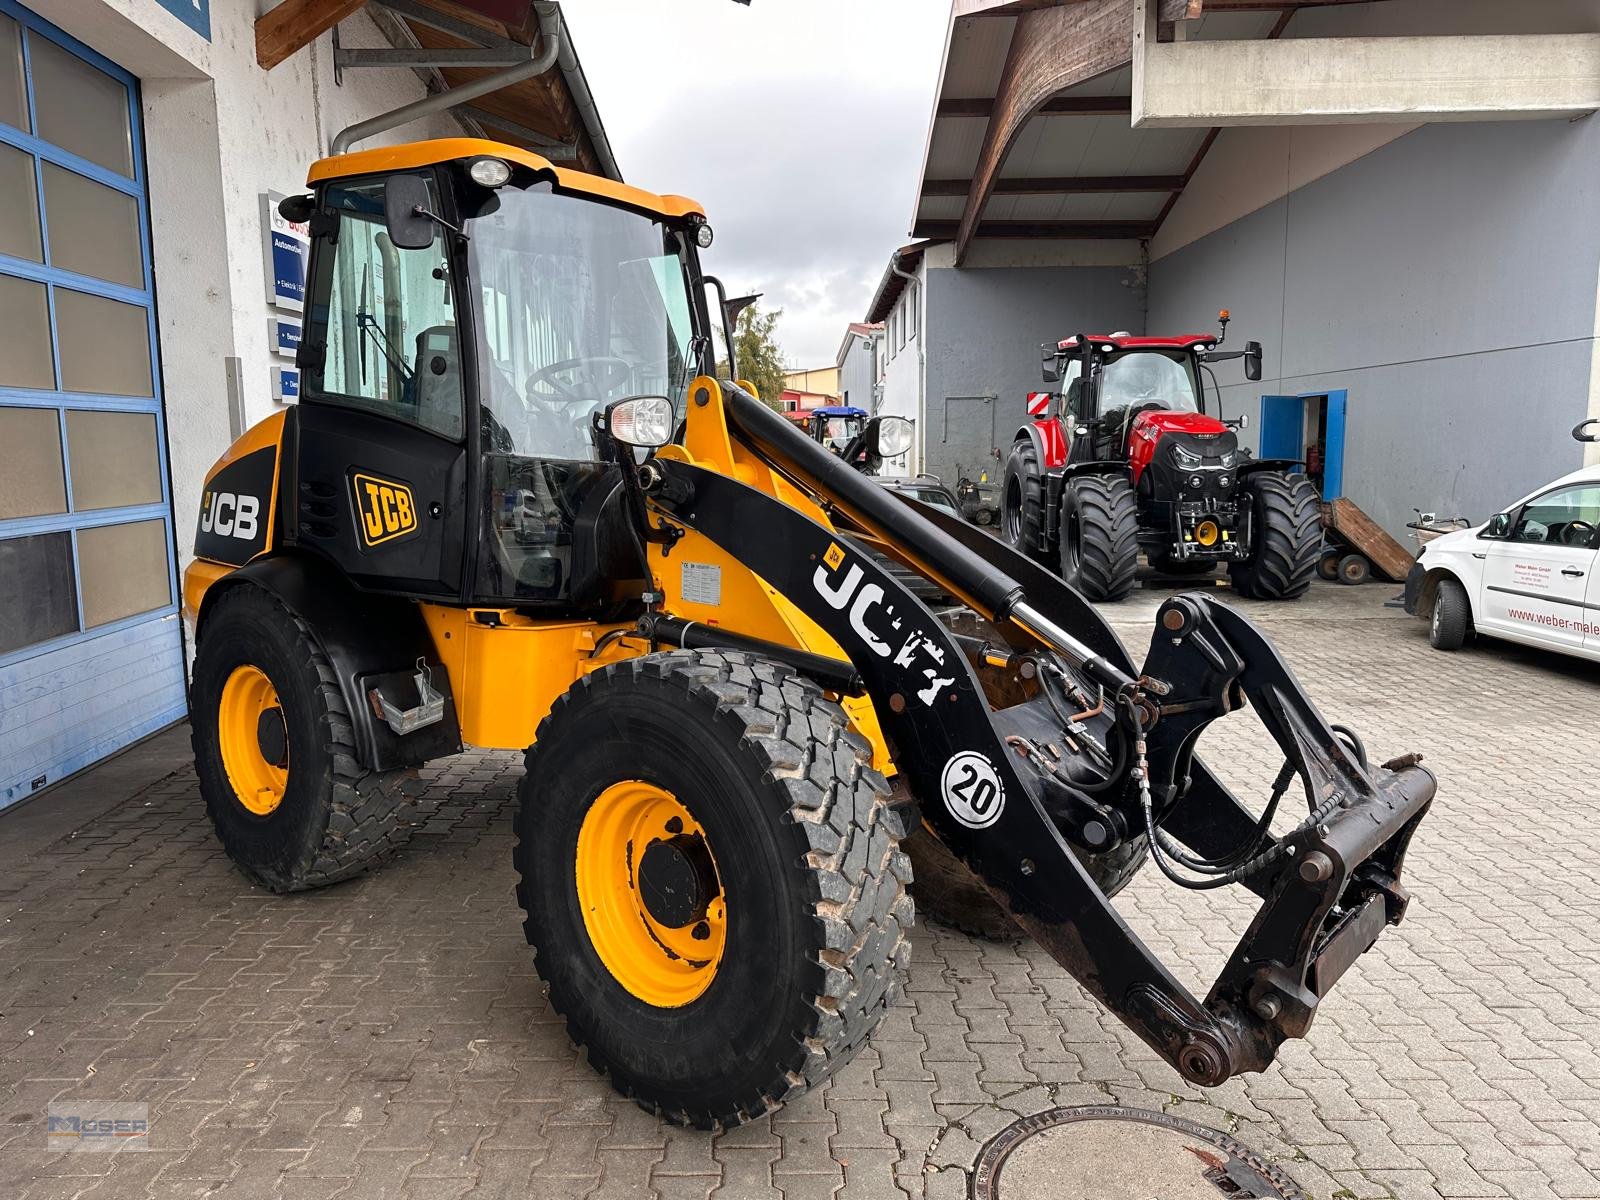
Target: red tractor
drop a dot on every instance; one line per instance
(1125, 457)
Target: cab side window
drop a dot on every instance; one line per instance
(392, 346)
(1568, 516)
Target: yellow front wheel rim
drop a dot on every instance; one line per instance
(650, 894)
(254, 739)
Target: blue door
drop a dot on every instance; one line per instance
(1308, 428)
(91, 657)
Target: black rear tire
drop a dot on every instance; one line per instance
(1450, 622)
(1099, 536)
(1022, 513)
(334, 819)
(948, 892)
(1328, 564)
(804, 837)
(1354, 569)
(1286, 528)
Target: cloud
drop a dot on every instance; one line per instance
(799, 124)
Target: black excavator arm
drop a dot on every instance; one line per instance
(1096, 755)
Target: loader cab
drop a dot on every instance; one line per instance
(466, 320)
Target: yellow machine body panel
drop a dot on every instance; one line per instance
(440, 150)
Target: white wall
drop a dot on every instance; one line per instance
(903, 372)
(219, 131)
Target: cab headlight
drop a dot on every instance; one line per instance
(642, 421)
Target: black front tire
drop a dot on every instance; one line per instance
(335, 820)
(1450, 622)
(1286, 533)
(1022, 514)
(1100, 536)
(805, 839)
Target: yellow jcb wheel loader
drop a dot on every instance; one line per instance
(514, 509)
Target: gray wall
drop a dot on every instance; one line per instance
(856, 374)
(1447, 281)
(984, 327)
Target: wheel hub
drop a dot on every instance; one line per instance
(272, 738)
(676, 880)
(253, 739)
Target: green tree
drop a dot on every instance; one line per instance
(755, 348)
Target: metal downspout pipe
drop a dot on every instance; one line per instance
(549, 31)
(922, 357)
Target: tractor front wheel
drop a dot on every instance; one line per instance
(275, 752)
(1286, 535)
(713, 881)
(1022, 504)
(1099, 536)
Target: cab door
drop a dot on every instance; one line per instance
(380, 466)
(1538, 578)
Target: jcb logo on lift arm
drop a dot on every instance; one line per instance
(387, 509)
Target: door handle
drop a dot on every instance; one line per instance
(1572, 572)
(1476, 555)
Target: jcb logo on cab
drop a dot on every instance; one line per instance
(387, 509)
(228, 515)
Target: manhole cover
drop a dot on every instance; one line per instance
(1104, 1152)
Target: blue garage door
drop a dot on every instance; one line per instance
(90, 652)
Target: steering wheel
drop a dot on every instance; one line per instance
(600, 375)
(1577, 533)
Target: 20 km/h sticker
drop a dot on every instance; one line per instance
(972, 790)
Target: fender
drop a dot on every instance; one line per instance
(1251, 465)
(1049, 442)
(370, 641)
(1422, 584)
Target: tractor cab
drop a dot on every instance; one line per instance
(471, 310)
(836, 426)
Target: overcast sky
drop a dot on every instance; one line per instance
(799, 124)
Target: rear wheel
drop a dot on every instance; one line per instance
(1022, 512)
(713, 881)
(1286, 533)
(947, 891)
(1354, 569)
(275, 752)
(1451, 619)
(1328, 564)
(1099, 536)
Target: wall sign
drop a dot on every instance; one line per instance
(287, 244)
(285, 384)
(196, 14)
(283, 336)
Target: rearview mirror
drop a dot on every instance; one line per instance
(641, 421)
(892, 436)
(405, 212)
(1499, 526)
(1052, 373)
(297, 210)
(1587, 431)
(1252, 361)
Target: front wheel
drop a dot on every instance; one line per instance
(1099, 536)
(1286, 537)
(713, 881)
(1451, 619)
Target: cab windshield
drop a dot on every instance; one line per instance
(580, 304)
(1145, 377)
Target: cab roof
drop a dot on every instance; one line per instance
(1122, 341)
(443, 150)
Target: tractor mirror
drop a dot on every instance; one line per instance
(1252, 361)
(1587, 431)
(892, 436)
(405, 212)
(1051, 372)
(641, 421)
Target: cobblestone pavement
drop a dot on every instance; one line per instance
(388, 1037)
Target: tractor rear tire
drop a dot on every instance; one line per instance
(947, 891)
(1099, 536)
(1450, 622)
(275, 752)
(1286, 527)
(795, 882)
(1022, 504)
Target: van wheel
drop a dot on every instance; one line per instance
(713, 881)
(275, 752)
(1451, 619)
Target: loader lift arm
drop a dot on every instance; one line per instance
(1329, 887)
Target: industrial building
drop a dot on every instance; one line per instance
(1395, 199)
(149, 291)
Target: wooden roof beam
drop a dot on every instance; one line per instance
(1067, 185)
(1057, 106)
(947, 230)
(295, 24)
(1052, 49)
